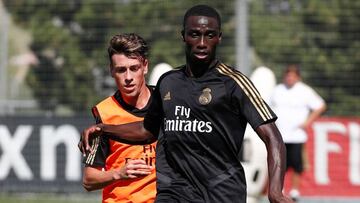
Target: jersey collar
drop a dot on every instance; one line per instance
(129, 108)
(213, 65)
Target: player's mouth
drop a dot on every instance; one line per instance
(129, 88)
(201, 55)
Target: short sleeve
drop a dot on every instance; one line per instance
(100, 144)
(153, 117)
(249, 101)
(314, 100)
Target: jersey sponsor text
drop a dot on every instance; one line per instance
(183, 123)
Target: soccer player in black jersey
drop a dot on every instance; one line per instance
(200, 112)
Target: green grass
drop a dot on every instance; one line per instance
(50, 198)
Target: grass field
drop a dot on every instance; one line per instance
(94, 197)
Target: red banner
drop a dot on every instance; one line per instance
(333, 154)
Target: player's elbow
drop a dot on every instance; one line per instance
(87, 185)
(150, 138)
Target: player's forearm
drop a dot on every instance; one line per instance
(276, 166)
(276, 156)
(131, 133)
(314, 115)
(95, 179)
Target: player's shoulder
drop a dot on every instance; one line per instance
(97, 109)
(228, 71)
(233, 77)
(105, 101)
(169, 75)
(301, 86)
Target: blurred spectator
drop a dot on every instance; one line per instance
(297, 106)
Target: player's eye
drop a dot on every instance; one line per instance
(194, 34)
(120, 69)
(135, 68)
(211, 35)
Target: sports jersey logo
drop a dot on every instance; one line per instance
(184, 122)
(205, 97)
(148, 155)
(167, 96)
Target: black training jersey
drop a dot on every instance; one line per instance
(202, 123)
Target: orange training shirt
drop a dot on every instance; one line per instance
(143, 189)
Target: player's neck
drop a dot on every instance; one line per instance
(139, 101)
(143, 97)
(196, 70)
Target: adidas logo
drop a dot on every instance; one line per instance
(167, 96)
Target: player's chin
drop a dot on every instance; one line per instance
(129, 92)
(201, 60)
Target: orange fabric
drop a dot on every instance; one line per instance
(132, 190)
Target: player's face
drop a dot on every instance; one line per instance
(129, 75)
(201, 36)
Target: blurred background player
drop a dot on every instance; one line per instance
(297, 105)
(125, 172)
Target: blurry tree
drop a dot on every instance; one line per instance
(323, 36)
(70, 39)
(63, 74)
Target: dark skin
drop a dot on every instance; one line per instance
(201, 36)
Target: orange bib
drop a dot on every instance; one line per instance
(132, 190)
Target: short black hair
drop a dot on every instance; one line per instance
(202, 10)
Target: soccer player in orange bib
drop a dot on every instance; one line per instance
(126, 173)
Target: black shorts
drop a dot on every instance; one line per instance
(294, 157)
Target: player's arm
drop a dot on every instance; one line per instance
(95, 178)
(276, 158)
(131, 133)
(314, 115)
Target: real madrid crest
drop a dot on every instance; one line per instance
(205, 97)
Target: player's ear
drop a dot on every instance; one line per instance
(183, 35)
(220, 36)
(146, 66)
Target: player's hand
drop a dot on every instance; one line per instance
(84, 143)
(133, 169)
